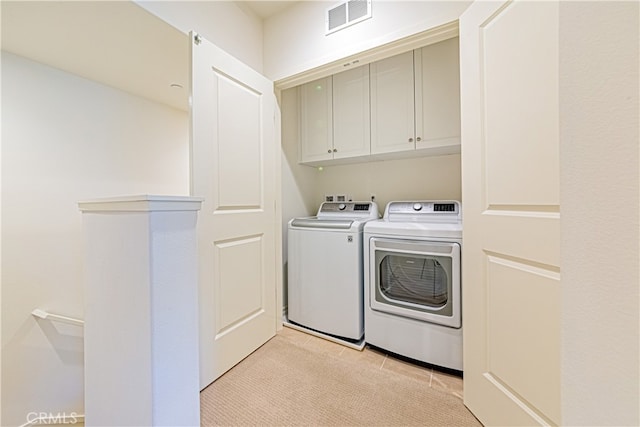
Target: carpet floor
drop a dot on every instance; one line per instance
(296, 379)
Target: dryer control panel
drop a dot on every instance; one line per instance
(428, 210)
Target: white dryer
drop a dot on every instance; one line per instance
(412, 279)
(325, 290)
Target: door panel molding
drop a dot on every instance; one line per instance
(521, 164)
(536, 417)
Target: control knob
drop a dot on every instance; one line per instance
(342, 206)
(417, 206)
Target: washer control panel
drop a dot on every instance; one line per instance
(346, 207)
(349, 209)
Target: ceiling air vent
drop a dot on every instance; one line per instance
(348, 13)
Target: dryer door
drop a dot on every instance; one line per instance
(416, 279)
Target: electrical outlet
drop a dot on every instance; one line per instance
(341, 197)
(329, 198)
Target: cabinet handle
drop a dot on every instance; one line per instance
(418, 139)
(335, 150)
(410, 139)
(329, 151)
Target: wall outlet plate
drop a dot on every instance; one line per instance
(341, 198)
(329, 198)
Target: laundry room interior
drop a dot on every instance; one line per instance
(304, 187)
(462, 151)
(420, 178)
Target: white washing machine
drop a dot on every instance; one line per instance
(412, 279)
(325, 274)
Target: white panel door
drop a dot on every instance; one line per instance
(510, 190)
(233, 167)
(316, 120)
(392, 104)
(351, 113)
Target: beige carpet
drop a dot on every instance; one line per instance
(289, 382)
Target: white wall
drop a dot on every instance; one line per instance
(419, 178)
(231, 25)
(599, 133)
(66, 139)
(295, 41)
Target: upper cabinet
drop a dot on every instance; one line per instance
(316, 120)
(351, 118)
(415, 101)
(437, 85)
(392, 104)
(402, 106)
(334, 117)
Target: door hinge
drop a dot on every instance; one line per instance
(197, 39)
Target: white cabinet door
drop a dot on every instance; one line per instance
(511, 271)
(392, 104)
(437, 83)
(234, 165)
(395, 105)
(316, 121)
(351, 119)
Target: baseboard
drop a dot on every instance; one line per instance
(359, 345)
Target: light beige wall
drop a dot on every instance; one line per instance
(599, 153)
(295, 40)
(1, 341)
(231, 25)
(66, 139)
(298, 182)
(297, 179)
(417, 178)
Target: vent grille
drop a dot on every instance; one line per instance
(358, 9)
(337, 16)
(348, 13)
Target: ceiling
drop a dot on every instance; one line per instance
(265, 9)
(145, 56)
